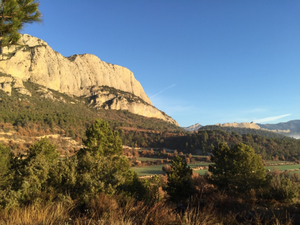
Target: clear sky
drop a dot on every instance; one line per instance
(200, 61)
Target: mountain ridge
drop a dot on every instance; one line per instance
(290, 128)
(193, 127)
(32, 59)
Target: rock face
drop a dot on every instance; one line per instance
(251, 125)
(7, 83)
(35, 61)
(193, 127)
(111, 98)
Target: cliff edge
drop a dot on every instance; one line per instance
(32, 59)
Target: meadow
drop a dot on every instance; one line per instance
(148, 159)
(157, 169)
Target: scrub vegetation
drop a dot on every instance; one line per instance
(96, 186)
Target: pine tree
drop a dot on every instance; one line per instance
(237, 169)
(30, 175)
(13, 15)
(180, 184)
(101, 166)
(5, 157)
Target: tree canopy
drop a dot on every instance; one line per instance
(180, 184)
(101, 166)
(237, 169)
(13, 15)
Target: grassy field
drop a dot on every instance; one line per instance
(193, 165)
(279, 161)
(148, 159)
(157, 169)
(284, 167)
(148, 170)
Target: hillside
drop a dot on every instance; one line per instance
(290, 129)
(33, 60)
(292, 126)
(243, 130)
(25, 117)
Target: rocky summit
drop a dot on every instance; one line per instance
(251, 125)
(32, 59)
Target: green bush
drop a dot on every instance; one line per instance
(282, 188)
(29, 176)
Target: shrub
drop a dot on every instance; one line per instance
(29, 176)
(282, 188)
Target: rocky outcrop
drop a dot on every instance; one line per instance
(33, 60)
(251, 125)
(193, 127)
(8, 82)
(110, 98)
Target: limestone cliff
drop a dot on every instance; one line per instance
(32, 59)
(111, 98)
(251, 125)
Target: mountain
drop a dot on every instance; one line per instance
(251, 125)
(33, 60)
(290, 128)
(193, 127)
(41, 111)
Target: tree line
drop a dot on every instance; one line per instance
(99, 174)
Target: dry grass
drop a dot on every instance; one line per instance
(36, 214)
(106, 210)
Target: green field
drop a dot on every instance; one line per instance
(148, 159)
(284, 167)
(193, 165)
(148, 170)
(277, 162)
(157, 169)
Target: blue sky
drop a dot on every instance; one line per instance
(206, 62)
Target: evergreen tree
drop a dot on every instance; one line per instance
(13, 15)
(5, 157)
(180, 184)
(30, 175)
(101, 166)
(101, 140)
(237, 169)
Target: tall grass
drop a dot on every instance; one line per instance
(57, 213)
(119, 210)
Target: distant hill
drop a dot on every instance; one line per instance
(193, 127)
(290, 129)
(293, 126)
(241, 131)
